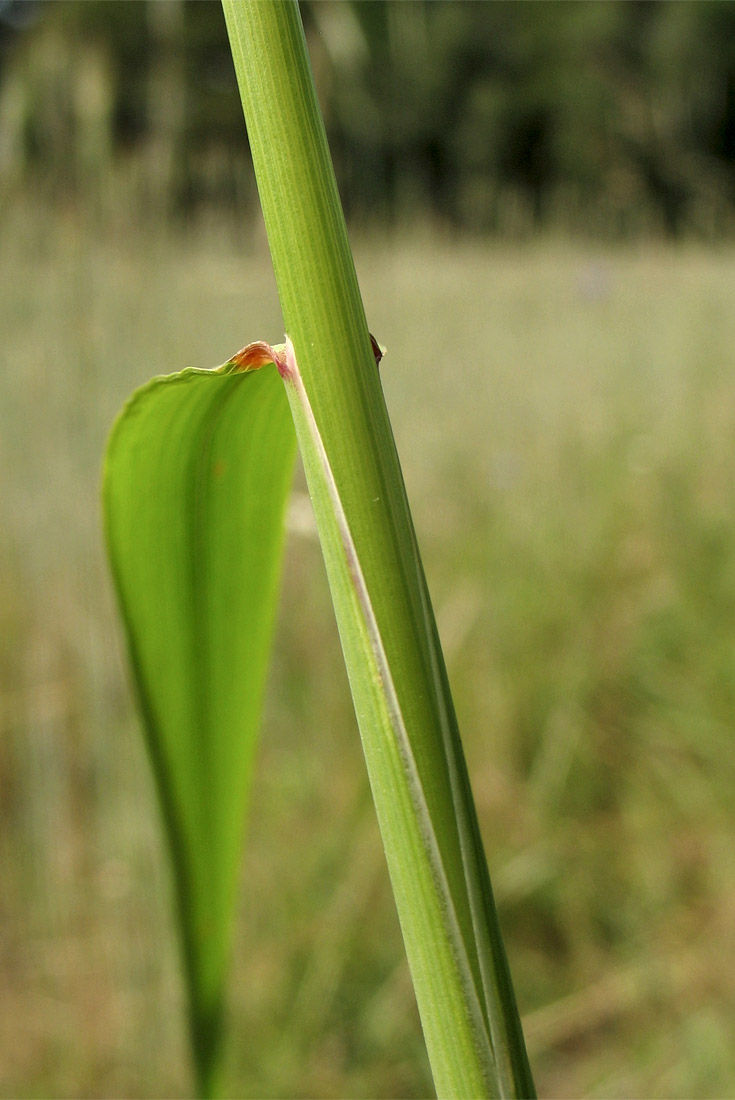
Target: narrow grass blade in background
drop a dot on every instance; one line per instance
(196, 476)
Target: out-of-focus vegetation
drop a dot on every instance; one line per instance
(565, 418)
(612, 117)
(565, 415)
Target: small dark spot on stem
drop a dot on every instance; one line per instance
(377, 352)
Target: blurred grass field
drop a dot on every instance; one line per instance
(566, 420)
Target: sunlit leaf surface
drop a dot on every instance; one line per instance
(197, 472)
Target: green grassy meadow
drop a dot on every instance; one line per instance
(565, 414)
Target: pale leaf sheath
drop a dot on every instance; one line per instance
(394, 723)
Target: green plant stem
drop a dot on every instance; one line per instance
(397, 676)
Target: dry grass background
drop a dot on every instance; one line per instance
(565, 415)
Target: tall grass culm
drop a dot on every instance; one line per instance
(197, 473)
(392, 652)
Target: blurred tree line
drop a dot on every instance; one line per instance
(609, 116)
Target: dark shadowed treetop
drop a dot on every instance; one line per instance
(608, 116)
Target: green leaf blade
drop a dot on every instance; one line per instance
(196, 477)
